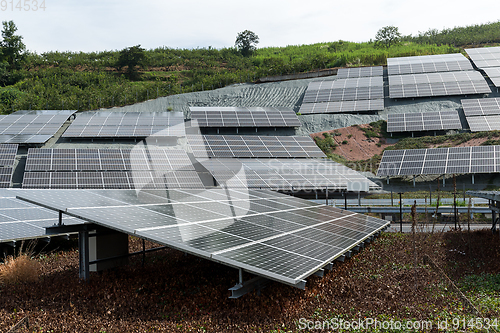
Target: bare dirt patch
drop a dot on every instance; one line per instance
(174, 292)
(353, 143)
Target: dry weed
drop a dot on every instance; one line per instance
(19, 269)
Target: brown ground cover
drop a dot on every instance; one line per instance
(177, 292)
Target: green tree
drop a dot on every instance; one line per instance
(12, 45)
(387, 37)
(131, 57)
(246, 42)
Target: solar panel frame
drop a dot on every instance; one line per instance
(356, 72)
(221, 241)
(343, 106)
(253, 146)
(427, 121)
(109, 124)
(244, 117)
(454, 160)
(283, 174)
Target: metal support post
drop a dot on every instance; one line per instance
(326, 196)
(83, 253)
(400, 212)
(413, 181)
(143, 252)
(359, 199)
(345, 200)
(60, 218)
(392, 199)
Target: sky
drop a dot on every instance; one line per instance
(92, 25)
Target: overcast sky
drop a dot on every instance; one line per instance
(91, 25)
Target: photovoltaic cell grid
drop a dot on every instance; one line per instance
(494, 75)
(484, 123)
(7, 160)
(428, 121)
(140, 179)
(436, 161)
(437, 84)
(284, 174)
(253, 146)
(109, 124)
(106, 159)
(32, 126)
(481, 106)
(355, 72)
(244, 117)
(20, 220)
(485, 56)
(109, 168)
(343, 106)
(344, 95)
(268, 234)
(428, 64)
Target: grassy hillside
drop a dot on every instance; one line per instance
(71, 80)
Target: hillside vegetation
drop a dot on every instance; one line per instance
(77, 80)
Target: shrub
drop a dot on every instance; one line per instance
(19, 269)
(344, 142)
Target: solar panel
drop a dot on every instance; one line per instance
(481, 107)
(376, 81)
(109, 124)
(253, 146)
(494, 75)
(485, 57)
(437, 84)
(109, 168)
(428, 64)
(20, 220)
(283, 174)
(428, 121)
(355, 72)
(32, 126)
(244, 117)
(257, 231)
(137, 179)
(455, 160)
(343, 106)
(484, 123)
(343, 94)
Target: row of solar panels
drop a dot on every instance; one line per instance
(456, 160)
(354, 90)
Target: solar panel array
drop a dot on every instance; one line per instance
(7, 160)
(343, 106)
(428, 64)
(20, 220)
(109, 168)
(35, 127)
(344, 95)
(494, 75)
(437, 84)
(428, 121)
(244, 117)
(284, 174)
(253, 146)
(354, 72)
(481, 106)
(436, 161)
(269, 234)
(485, 56)
(484, 123)
(109, 124)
